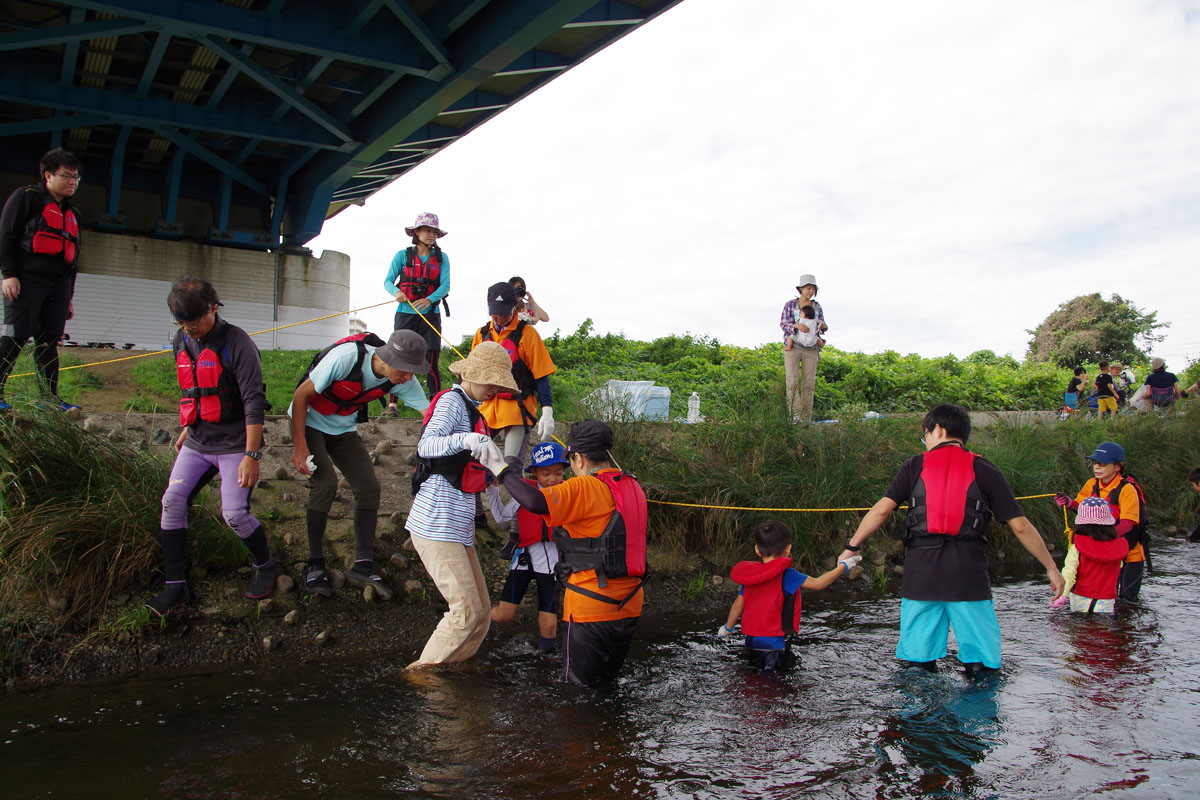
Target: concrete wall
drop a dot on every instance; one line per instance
(121, 294)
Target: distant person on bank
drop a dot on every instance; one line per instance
(1162, 387)
(800, 361)
(221, 412)
(39, 259)
(952, 494)
(419, 279)
(326, 408)
(527, 308)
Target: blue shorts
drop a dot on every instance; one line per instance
(925, 628)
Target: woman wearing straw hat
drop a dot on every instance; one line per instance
(442, 519)
(800, 362)
(419, 278)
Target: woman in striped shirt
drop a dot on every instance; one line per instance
(442, 518)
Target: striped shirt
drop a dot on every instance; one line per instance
(439, 511)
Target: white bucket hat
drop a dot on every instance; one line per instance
(425, 220)
(807, 279)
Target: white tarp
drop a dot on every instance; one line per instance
(630, 400)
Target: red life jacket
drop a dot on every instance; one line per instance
(767, 610)
(526, 383)
(208, 391)
(55, 231)
(531, 527)
(347, 396)
(461, 470)
(618, 552)
(419, 278)
(946, 500)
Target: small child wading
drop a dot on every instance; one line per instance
(768, 602)
(1094, 560)
(536, 553)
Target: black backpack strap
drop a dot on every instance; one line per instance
(605, 599)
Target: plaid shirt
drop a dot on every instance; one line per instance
(790, 315)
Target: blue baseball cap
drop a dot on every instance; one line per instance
(547, 454)
(1108, 453)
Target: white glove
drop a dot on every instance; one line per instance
(725, 633)
(545, 428)
(851, 562)
(475, 442)
(491, 457)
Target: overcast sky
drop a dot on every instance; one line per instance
(951, 172)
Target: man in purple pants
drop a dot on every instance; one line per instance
(221, 410)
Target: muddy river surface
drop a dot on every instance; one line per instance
(1083, 707)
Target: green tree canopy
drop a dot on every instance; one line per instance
(1089, 328)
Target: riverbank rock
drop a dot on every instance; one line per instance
(160, 436)
(337, 579)
(323, 639)
(384, 447)
(284, 584)
(282, 474)
(292, 617)
(412, 587)
(408, 544)
(198, 573)
(398, 560)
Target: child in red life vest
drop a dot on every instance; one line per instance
(769, 600)
(1094, 561)
(536, 552)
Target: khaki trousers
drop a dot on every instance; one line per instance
(455, 571)
(800, 371)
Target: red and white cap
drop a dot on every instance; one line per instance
(1095, 511)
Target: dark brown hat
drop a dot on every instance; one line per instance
(590, 436)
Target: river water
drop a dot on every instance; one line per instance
(1083, 707)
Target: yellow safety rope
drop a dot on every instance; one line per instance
(802, 510)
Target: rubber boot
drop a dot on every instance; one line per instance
(175, 592)
(975, 670)
(262, 568)
(928, 666)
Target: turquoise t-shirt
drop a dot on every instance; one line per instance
(335, 366)
(435, 297)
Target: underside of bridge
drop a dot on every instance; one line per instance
(247, 123)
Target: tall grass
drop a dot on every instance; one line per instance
(80, 514)
(70, 383)
(760, 459)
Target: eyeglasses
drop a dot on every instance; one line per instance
(68, 177)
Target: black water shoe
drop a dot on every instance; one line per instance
(316, 580)
(506, 552)
(262, 582)
(172, 595)
(360, 580)
(927, 666)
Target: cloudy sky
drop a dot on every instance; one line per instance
(951, 172)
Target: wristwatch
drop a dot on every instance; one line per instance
(852, 548)
(255, 454)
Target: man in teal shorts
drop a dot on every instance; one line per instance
(951, 494)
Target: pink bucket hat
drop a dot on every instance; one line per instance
(425, 220)
(1095, 511)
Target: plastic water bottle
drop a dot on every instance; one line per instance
(693, 414)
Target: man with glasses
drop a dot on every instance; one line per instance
(39, 254)
(952, 494)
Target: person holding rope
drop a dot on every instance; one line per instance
(39, 259)
(952, 494)
(602, 548)
(326, 408)
(419, 279)
(221, 411)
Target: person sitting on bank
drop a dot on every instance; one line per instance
(768, 602)
(1162, 387)
(326, 408)
(536, 554)
(602, 548)
(952, 494)
(1074, 386)
(221, 412)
